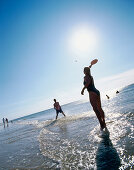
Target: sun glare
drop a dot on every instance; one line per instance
(83, 40)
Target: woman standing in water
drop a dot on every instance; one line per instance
(94, 95)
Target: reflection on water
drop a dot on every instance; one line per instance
(107, 157)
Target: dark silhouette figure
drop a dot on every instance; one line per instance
(107, 157)
(6, 121)
(3, 122)
(107, 96)
(117, 92)
(94, 96)
(58, 109)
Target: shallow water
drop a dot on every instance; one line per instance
(39, 141)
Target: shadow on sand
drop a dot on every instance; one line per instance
(107, 157)
(51, 124)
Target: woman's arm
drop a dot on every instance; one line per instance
(90, 66)
(88, 81)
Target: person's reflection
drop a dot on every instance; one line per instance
(107, 157)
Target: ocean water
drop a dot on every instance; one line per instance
(74, 142)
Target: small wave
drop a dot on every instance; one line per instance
(41, 124)
(36, 123)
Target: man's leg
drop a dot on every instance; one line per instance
(56, 115)
(63, 113)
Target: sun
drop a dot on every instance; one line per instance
(83, 40)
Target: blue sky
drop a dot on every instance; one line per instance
(37, 62)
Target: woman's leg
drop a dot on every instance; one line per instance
(94, 100)
(101, 111)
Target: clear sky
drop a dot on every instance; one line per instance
(44, 45)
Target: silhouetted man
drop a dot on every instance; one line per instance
(58, 109)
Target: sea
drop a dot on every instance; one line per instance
(74, 142)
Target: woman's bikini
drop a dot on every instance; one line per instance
(91, 87)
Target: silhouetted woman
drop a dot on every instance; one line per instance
(94, 96)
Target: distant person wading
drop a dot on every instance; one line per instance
(94, 96)
(58, 109)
